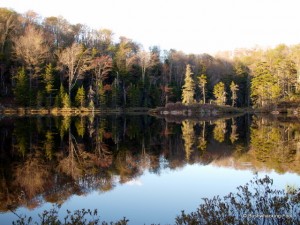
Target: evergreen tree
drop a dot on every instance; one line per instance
(66, 102)
(188, 89)
(49, 82)
(21, 89)
(80, 97)
(60, 96)
(233, 88)
(264, 88)
(219, 93)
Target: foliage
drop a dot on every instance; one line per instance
(255, 203)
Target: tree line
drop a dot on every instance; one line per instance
(49, 62)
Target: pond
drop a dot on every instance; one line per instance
(136, 166)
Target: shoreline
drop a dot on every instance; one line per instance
(26, 111)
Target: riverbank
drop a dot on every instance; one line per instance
(179, 109)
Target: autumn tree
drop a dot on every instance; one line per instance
(188, 89)
(202, 79)
(233, 88)
(32, 51)
(74, 61)
(220, 93)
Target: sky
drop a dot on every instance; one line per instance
(191, 26)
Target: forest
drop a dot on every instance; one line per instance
(48, 62)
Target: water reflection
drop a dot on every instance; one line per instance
(49, 159)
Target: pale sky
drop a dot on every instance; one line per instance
(193, 26)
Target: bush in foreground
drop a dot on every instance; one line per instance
(78, 217)
(254, 203)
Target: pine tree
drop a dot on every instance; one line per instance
(202, 83)
(80, 97)
(188, 89)
(233, 88)
(66, 103)
(59, 97)
(264, 88)
(49, 82)
(21, 89)
(219, 93)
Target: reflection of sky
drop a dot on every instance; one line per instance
(158, 199)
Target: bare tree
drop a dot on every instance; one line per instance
(101, 67)
(32, 51)
(144, 60)
(75, 60)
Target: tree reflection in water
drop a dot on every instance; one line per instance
(49, 159)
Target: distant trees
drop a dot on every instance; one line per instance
(124, 74)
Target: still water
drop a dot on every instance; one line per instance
(138, 167)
